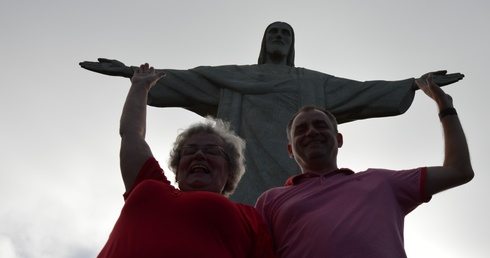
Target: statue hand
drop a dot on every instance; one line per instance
(434, 91)
(108, 67)
(441, 78)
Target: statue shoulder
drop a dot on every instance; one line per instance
(312, 74)
(223, 67)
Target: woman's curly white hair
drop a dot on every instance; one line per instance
(234, 148)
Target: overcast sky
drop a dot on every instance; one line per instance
(60, 185)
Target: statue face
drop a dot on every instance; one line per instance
(278, 39)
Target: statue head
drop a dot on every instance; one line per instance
(263, 50)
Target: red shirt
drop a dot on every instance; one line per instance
(159, 220)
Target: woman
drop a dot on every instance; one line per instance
(196, 220)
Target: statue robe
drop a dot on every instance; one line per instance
(259, 100)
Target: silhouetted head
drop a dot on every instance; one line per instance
(276, 27)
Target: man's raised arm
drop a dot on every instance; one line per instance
(456, 169)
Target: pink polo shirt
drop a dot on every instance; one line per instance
(343, 214)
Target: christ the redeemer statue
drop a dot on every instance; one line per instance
(258, 100)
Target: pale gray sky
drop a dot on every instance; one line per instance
(60, 187)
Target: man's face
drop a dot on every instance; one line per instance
(203, 165)
(314, 139)
(278, 39)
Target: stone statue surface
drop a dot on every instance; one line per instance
(258, 101)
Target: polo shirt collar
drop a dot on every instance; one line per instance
(294, 180)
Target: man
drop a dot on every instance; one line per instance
(259, 99)
(332, 212)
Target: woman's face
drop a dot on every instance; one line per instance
(203, 165)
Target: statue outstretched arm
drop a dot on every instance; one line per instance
(440, 78)
(108, 67)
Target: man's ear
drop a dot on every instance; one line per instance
(340, 140)
(290, 151)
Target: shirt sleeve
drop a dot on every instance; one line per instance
(151, 170)
(189, 89)
(410, 188)
(351, 100)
